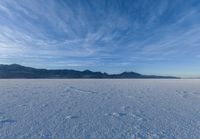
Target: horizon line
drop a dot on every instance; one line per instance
(128, 71)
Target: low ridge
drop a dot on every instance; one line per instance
(19, 71)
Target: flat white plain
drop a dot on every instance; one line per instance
(99, 109)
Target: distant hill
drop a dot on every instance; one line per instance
(18, 71)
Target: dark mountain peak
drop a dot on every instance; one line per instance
(130, 73)
(12, 65)
(87, 71)
(19, 71)
(16, 65)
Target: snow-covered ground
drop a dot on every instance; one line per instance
(99, 109)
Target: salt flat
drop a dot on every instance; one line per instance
(99, 109)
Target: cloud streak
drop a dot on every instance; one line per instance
(112, 35)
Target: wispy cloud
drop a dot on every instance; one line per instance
(100, 34)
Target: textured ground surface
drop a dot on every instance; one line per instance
(99, 109)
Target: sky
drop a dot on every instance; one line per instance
(159, 37)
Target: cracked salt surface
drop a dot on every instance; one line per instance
(99, 109)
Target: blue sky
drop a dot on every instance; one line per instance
(147, 36)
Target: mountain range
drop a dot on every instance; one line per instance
(18, 71)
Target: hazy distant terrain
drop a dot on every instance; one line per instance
(18, 71)
(99, 109)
